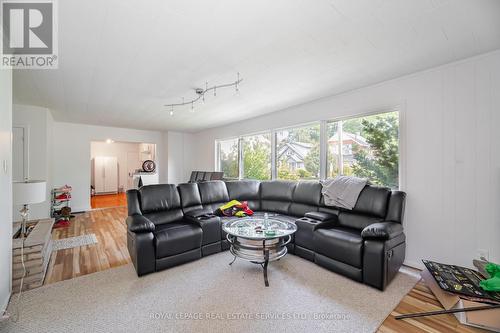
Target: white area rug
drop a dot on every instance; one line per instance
(71, 242)
(208, 295)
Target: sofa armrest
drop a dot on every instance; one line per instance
(382, 231)
(139, 224)
(210, 226)
(322, 217)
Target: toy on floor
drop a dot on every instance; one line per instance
(493, 283)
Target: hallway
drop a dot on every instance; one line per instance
(108, 200)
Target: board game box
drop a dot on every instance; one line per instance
(460, 280)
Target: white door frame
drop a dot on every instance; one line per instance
(26, 149)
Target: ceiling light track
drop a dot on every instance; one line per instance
(202, 92)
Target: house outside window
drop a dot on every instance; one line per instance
(297, 152)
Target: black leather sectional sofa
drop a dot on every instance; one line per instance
(169, 225)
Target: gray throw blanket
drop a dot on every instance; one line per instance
(343, 191)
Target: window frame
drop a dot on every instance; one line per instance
(323, 141)
(400, 109)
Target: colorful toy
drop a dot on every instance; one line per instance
(493, 283)
(234, 208)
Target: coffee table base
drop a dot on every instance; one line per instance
(258, 251)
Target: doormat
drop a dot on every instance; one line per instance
(71, 242)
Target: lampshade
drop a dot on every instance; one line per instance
(29, 192)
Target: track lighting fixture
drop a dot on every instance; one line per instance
(201, 94)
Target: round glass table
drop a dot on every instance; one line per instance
(259, 240)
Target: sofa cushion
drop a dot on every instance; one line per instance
(156, 198)
(166, 216)
(327, 209)
(373, 200)
(190, 197)
(306, 198)
(213, 194)
(276, 196)
(356, 221)
(341, 244)
(245, 190)
(176, 238)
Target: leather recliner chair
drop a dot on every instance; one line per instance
(169, 225)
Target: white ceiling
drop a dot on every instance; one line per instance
(122, 60)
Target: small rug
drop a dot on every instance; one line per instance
(208, 295)
(71, 242)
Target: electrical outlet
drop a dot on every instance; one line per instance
(482, 253)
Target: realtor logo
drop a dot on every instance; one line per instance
(29, 34)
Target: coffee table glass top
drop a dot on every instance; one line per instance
(259, 228)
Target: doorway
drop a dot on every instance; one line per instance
(116, 168)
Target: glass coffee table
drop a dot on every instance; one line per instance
(259, 240)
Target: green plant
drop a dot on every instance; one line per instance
(380, 164)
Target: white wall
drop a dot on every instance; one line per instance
(450, 152)
(71, 154)
(5, 186)
(181, 157)
(163, 158)
(39, 123)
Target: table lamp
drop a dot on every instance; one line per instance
(26, 193)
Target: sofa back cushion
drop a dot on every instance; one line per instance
(356, 221)
(213, 194)
(327, 209)
(245, 190)
(161, 203)
(370, 208)
(190, 197)
(373, 201)
(306, 198)
(276, 196)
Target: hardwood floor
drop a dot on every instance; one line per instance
(111, 250)
(108, 200)
(420, 299)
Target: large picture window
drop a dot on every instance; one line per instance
(365, 146)
(256, 150)
(228, 157)
(297, 152)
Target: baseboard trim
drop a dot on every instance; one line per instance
(413, 264)
(4, 306)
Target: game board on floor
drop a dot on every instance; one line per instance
(460, 280)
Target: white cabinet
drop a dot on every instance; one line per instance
(105, 174)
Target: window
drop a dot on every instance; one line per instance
(369, 146)
(228, 157)
(256, 151)
(366, 147)
(297, 152)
